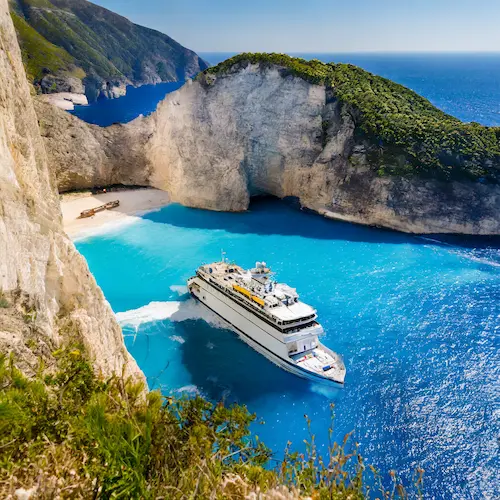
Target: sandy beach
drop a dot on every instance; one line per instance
(133, 202)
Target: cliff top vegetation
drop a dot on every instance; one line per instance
(40, 56)
(409, 134)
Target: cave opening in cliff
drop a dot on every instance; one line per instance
(291, 201)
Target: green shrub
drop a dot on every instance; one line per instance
(68, 433)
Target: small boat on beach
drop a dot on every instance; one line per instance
(92, 211)
(269, 317)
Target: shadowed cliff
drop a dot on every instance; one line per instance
(77, 46)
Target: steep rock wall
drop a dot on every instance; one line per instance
(48, 293)
(83, 156)
(218, 141)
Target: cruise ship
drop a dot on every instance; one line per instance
(269, 317)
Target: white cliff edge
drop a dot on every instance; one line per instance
(42, 276)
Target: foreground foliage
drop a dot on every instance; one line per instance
(67, 433)
(410, 136)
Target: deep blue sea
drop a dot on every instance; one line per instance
(416, 320)
(464, 85)
(138, 101)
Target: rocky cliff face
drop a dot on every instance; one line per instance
(258, 130)
(221, 140)
(83, 156)
(48, 295)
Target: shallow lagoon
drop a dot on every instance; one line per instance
(416, 321)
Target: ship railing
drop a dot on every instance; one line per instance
(305, 328)
(260, 312)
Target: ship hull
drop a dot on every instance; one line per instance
(251, 329)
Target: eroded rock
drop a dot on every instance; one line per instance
(220, 140)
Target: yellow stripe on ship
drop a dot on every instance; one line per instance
(242, 290)
(258, 300)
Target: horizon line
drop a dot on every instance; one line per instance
(351, 52)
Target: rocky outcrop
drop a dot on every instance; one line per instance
(258, 130)
(254, 131)
(48, 295)
(65, 100)
(83, 156)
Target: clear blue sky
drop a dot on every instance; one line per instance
(320, 25)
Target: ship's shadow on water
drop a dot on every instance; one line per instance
(285, 218)
(223, 367)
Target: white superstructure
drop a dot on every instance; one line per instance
(269, 317)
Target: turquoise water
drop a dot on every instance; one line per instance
(416, 321)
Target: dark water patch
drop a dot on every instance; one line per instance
(285, 219)
(224, 368)
(138, 101)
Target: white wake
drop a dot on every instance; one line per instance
(179, 289)
(171, 310)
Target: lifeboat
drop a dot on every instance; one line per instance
(258, 300)
(243, 291)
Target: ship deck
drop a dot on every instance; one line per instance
(231, 276)
(316, 359)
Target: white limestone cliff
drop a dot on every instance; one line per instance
(254, 131)
(220, 140)
(82, 156)
(48, 295)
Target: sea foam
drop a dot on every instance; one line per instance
(171, 310)
(179, 289)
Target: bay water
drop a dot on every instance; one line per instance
(416, 321)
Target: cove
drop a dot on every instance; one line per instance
(137, 101)
(416, 321)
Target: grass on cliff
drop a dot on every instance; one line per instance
(409, 135)
(67, 433)
(41, 57)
